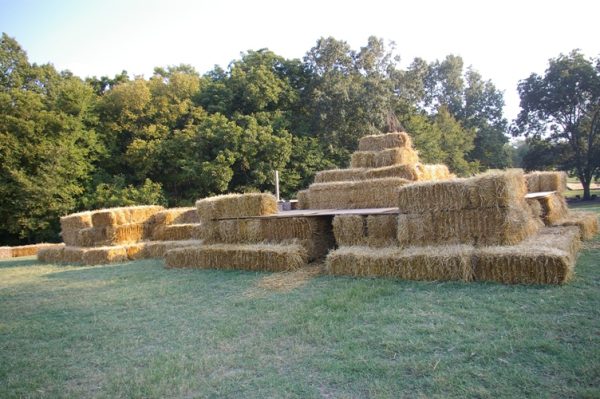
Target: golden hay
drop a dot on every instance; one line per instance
(135, 250)
(237, 231)
(173, 232)
(553, 208)
(350, 230)
(376, 193)
(284, 281)
(76, 221)
(176, 216)
(124, 215)
(128, 233)
(546, 258)
(104, 255)
(273, 258)
(380, 142)
(486, 226)
(435, 172)
(546, 181)
(586, 221)
(535, 208)
(51, 255)
(486, 190)
(303, 199)
(158, 249)
(5, 252)
(372, 230)
(92, 237)
(73, 255)
(70, 237)
(415, 263)
(326, 176)
(389, 157)
(29, 250)
(236, 205)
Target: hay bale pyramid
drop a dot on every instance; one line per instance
(387, 215)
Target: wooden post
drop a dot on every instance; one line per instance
(277, 185)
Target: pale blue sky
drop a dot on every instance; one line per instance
(504, 40)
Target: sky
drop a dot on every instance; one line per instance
(504, 40)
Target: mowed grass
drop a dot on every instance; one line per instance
(139, 330)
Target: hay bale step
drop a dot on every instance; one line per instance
(587, 222)
(378, 159)
(378, 142)
(183, 215)
(413, 172)
(174, 232)
(363, 230)
(124, 215)
(236, 205)
(25, 250)
(272, 258)
(157, 249)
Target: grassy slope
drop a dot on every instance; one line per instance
(138, 330)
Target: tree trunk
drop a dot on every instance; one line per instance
(586, 189)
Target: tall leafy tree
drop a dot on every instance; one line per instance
(562, 109)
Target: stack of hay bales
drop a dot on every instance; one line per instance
(382, 164)
(239, 234)
(477, 229)
(176, 224)
(103, 236)
(551, 207)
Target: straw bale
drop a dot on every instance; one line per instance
(70, 237)
(256, 257)
(128, 233)
(382, 230)
(546, 258)
(135, 250)
(553, 208)
(124, 215)
(326, 176)
(535, 208)
(92, 237)
(486, 226)
(389, 157)
(587, 222)
(350, 230)
(546, 181)
(73, 255)
(104, 255)
(30, 250)
(173, 232)
(52, 255)
(435, 172)
(376, 193)
(182, 215)
(236, 205)
(415, 263)
(158, 249)
(303, 196)
(76, 221)
(5, 252)
(378, 142)
(238, 230)
(486, 190)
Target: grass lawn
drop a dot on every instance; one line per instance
(138, 330)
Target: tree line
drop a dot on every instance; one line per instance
(68, 144)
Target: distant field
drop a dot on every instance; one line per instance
(139, 330)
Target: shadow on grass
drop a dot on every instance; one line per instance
(19, 262)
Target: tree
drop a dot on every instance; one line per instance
(562, 108)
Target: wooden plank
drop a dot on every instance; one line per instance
(322, 212)
(541, 194)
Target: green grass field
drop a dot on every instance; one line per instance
(139, 330)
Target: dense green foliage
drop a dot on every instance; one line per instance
(67, 144)
(561, 117)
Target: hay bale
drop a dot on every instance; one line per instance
(485, 226)
(350, 230)
(135, 251)
(30, 250)
(76, 221)
(303, 196)
(104, 255)
(238, 231)
(182, 215)
(71, 237)
(326, 176)
(415, 263)
(256, 257)
(546, 258)
(5, 252)
(535, 208)
(128, 233)
(173, 232)
(158, 249)
(435, 172)
(380, 142)
(382, 230)
(553, 208)
(92, 237)
(124, 215)
(52, 255)
(73, 255)
(236, 205)
(389, 157)
(487, 190)
(587, 222)
(546, 181)
(376, 193)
